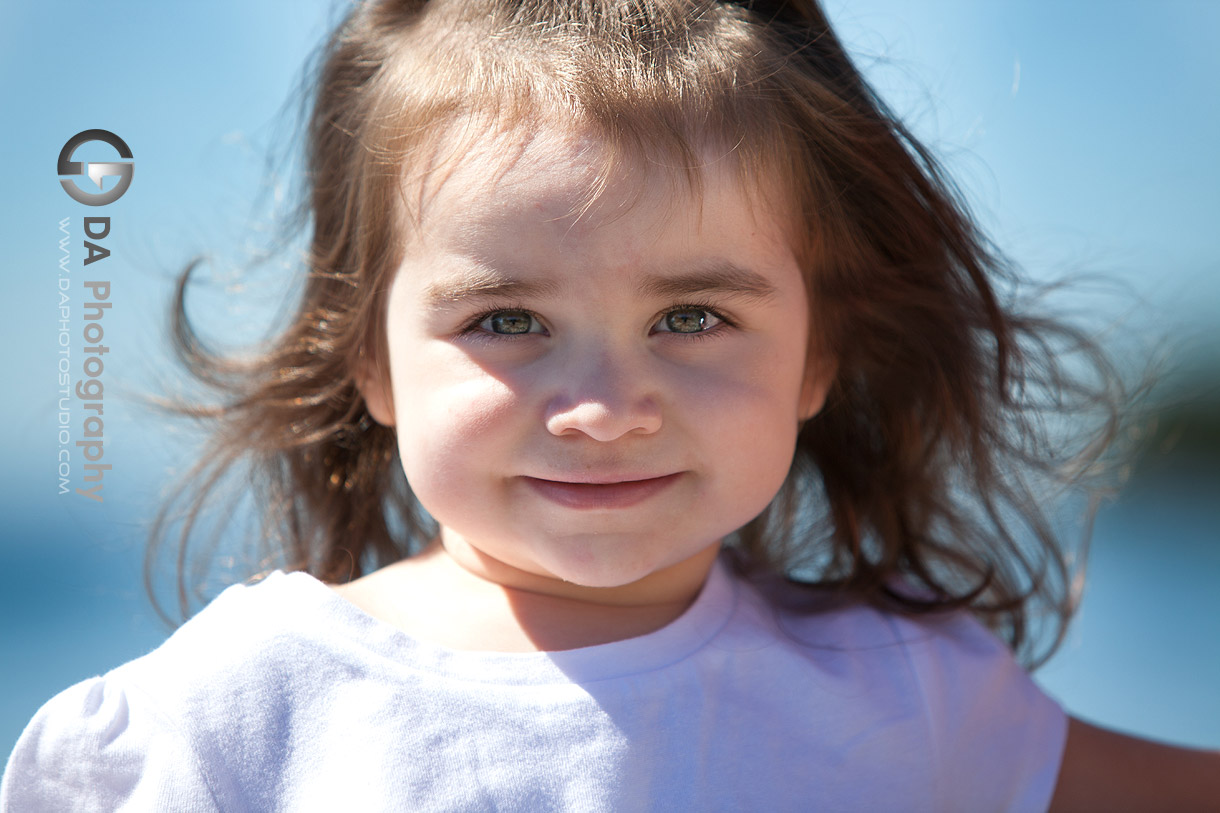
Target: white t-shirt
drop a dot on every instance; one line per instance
(284, 696)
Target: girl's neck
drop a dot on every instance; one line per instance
(476, 603)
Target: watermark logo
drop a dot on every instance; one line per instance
(95, 302)
(96, 170)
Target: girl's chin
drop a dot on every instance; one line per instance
(593, 572)
(635, 576)
(601, 563)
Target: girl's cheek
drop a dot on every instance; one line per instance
(472, 410)
(453, 436)
(742, 383)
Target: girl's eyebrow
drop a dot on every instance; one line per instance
(484, 285)
(723, 278)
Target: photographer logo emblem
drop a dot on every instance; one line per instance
(95, 170)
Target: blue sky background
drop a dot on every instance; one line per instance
(1083, 132)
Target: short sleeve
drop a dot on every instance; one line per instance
(998, 740)
(100, 746)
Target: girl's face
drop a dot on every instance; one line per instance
(593, 399)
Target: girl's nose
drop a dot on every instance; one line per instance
(603, 398)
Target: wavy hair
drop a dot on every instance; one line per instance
(923, 485)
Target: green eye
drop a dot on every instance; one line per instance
(509, 323)
(688, 320)
(685, 321)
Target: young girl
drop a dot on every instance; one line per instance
(669, 401)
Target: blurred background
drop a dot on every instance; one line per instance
(1083, 134)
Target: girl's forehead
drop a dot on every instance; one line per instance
(546, 164)
(573, 177)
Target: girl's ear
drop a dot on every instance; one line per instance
(819, 375)
(375, 389)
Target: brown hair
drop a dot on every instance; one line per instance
(930, 464)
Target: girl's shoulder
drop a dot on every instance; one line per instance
(823, 618)
(154, 733)
(947, 656)
(247, 630)
(986, 728)
(101, 745)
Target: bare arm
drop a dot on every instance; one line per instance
(1106, 771)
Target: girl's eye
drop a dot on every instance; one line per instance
(510, 323)
(688, 320)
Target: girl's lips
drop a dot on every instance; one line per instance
(601, 495)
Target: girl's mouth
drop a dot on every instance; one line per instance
(589, 496)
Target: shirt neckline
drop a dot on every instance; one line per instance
(674, 642)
